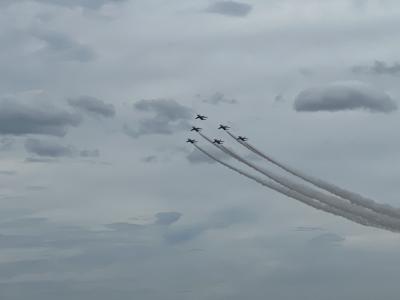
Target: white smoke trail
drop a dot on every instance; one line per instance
(338, 191)
(297, 196)
(312, 193)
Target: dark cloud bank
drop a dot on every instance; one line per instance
(340, 96)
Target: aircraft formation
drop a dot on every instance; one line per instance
(221, 126)
(313, 192)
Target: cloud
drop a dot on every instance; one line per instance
(167, 218)
(378, 68)
(39, 160)
(360, 4)
(279, 98)
(60, 46)
(36, 187)
(149, 159)
(92, 106)
(123, 226)
(20, 119)
(219, 98)
(82, 3)
(165, 109)
(52, 149)
(8, 173)
(48, 148)
(89, 153)
(306, 72)
(229, 8)
(197, 157)
(23, 222)
(6, 143)
(168, 117)
(219, 220)
(309, 228)
(347, 95)
(162, 218)
(326, 239)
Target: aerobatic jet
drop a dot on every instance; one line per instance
(197, 129)
(201, 117)
(242, 138)
(223, 127)
(219, 142)
(191, 141)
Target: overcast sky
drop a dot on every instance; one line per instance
(101, 198)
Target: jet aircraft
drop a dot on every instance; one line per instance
(242, 138)
(197, 129)
(191, 141)
(223, 127)
(201, 117)
(219, 142)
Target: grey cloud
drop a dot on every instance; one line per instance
(360, 4)
(89, 153)
(309, 228)
(379, 68)
(306, 72)
(36, 187)
(6, 143)
(60, 46)
(230, 216)
(48, 148)
(148, 127)
(185, 234)
(18, 241)
(92, 106)
(91, 4)
(230, 8)
(196, 157)
(168, 117)
(23, 222)
(20, 119)
(348, 95)
(39, 160)
(326, 239)
(130, 260)
(279, 98)
(219, 220)
(162, 218)
(33, 232)
(167, 218)
(8, 173)
(53, 149)
(122, 226)
(164, 109)
(149, 159)
(219, 98)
